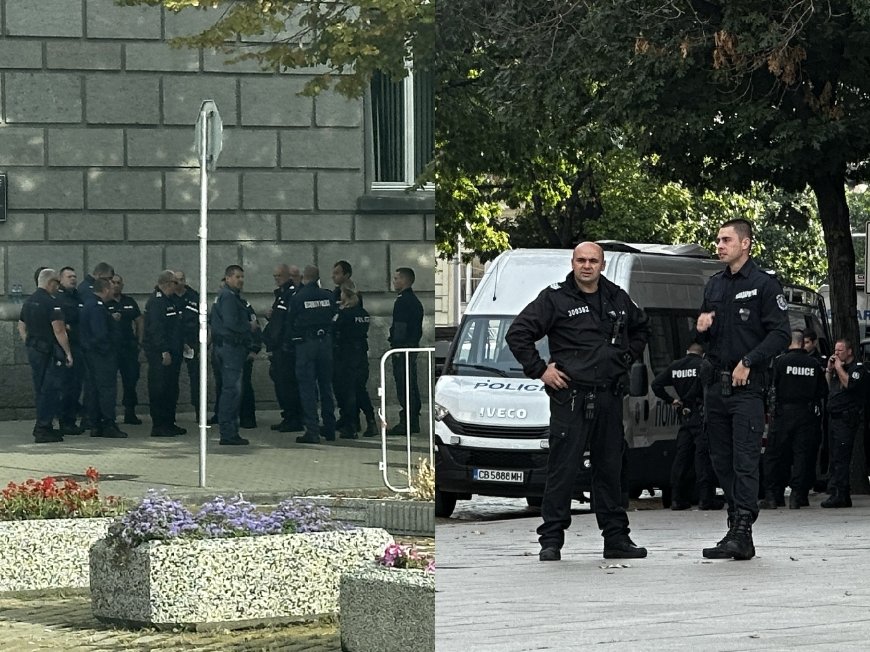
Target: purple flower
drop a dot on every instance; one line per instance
(158, 517)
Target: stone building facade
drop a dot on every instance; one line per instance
(97, 142)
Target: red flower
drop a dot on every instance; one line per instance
(92, 474)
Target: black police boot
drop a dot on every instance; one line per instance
(837, 499)
(718, 551)
(769, 500)
(308, 438)
(371, 428)
(161, 431)
(794, 501)
(176, 430)
(234, 441)
(779, 500)
(549, 554)
(292, 425)
(622, 547)
(46, 435)
(70, 429)
(740, 544)
(112, 431)
(130, 417)
(346, 432)
(680, 505)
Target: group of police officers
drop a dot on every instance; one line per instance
(806, 398)
(80, 337)
(596, 333)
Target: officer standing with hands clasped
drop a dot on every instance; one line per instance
(846, 403)
(689, 376)
(744, 323)
(595, 332)
(796, 391)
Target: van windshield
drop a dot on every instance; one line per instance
(481, 349)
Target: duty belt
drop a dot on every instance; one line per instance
(312, 335)
(221, 340)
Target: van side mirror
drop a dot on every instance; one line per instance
(638, 381)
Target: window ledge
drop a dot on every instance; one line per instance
(397, 201)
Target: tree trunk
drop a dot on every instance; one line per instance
(830, 194)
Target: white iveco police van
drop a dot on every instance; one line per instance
(491, 422)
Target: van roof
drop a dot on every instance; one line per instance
(517, 276)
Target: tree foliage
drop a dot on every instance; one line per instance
(714, 95)
(348, 41)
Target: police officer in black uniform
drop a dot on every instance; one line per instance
(231, 337)
(743, 323)
(351, 347)
(406, 332)
(125, 310)
(282, 350)
(68, 298)
(811, 346)
(311, 317)
(797, 389)
(163, 343)
(595, 332)
(187, 300)
(48, 353)
(689, 376)
(847, 399)
(100, 339)
(248, 403)
(101, 270)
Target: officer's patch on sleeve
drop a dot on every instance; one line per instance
(855, 375)
(554, 286)
(781, 302)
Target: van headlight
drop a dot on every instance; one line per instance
(440, 412)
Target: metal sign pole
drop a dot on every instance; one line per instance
(203, 290)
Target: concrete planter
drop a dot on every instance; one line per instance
(233, 583)
(387, 610)
(40, 555)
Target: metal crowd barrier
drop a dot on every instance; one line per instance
(426, 400)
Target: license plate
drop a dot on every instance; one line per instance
(496, 475)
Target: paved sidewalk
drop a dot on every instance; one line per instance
(273, 465)
(808, 588)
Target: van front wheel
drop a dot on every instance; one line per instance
(445, 503)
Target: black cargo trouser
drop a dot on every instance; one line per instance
(192, 365)
(407, 387)
(790, 454)
(349, 382)
(48, 377)
(683, 472)
(314, 373)
(128, 366)
(102, 375)
(705, 476)
(735, 426)
(73, 381)
(282, 371)
(842, 428)
(163, 389)
(569, 435)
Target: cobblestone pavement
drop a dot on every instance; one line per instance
(65, 623)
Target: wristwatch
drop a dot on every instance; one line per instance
(746, 362)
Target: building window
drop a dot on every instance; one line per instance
(403, 121)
